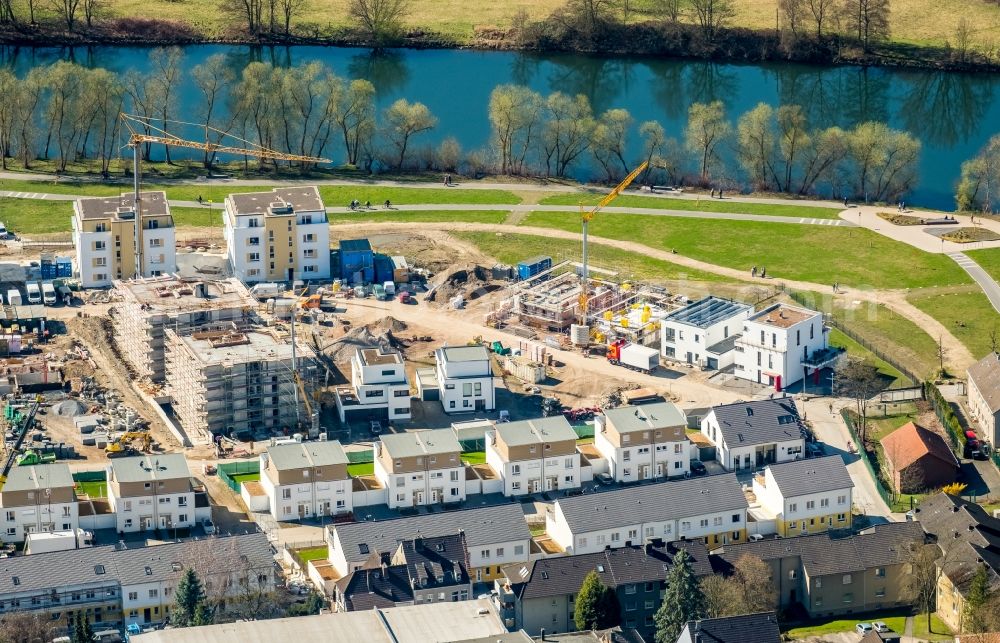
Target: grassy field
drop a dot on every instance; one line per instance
(26, 216)
(361, 469)
(880, 426)
(895, 619)
(197, 217)
(95, 489)
(312, 553)
(240, 478)
(378, 216)
(988, 259)
(474, 457)
(855, 349)
(821, 254)
(696, 205)
(965, 311)
(511, 248)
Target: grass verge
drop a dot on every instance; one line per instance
(95, 489)
(696, 205)
(963, 310)
(28, 216)
(820, 254)
(988, 259)
(420, 216)
(837, 338)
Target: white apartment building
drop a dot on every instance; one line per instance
(782, 344)
(712, 508)
(534, 456)
(38, 499)
(420, 468)
(151, 492)
(806, 496)
(277, 235)
(105, 237)
(306, 480)
(751, 435)
(643, 442)
(984, 396)
(380, 389)
(465, 379)
(704, 332)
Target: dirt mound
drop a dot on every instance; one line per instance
(69, 408)
(471, 283)
(371, 336)
(390, 324)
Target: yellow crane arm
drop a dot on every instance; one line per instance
(613, 194)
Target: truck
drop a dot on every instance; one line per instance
(34, 293)
(48, 293)
(13, 297)
(390, 290)
(634, 356)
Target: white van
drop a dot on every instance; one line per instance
(48, 293)
(34, 293)
(266, 290)
(390, 289)
(14, 297)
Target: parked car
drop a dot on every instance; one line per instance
(755, 537)
(863, 628)
(814, 449)
(208, 526)
(375, 428)
(972, 447)
(880, 626)
(698, 468)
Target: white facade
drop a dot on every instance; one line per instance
(686, 335)
(308, 499)
(465, 379)
(534, 456)
(776, 341)
(984, 396)
(40, 517)
(536, 475)
(379, 385)
(420, 468)
(639, 447)
(418, 488)
(745, 457)
(817, 496)
(151, 492)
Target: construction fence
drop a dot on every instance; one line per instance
(361, 457)
(90, 476)
(879, 486)
(227, 471)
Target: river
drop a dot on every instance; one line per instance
(953, 114)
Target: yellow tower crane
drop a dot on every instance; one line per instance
(142, 131)
(586, 217)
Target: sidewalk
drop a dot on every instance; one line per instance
(915, 235)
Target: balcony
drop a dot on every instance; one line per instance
(823, 358)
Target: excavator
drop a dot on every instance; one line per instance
(123, 445)
(21, 424)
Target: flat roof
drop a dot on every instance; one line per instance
(783, 315)
(708, 312)
(378, 357)
(464, 353)
(537, 431)
(146, 468)
(301, 199)
(355, 245)
(661, 415)
(289, 457)
(170, 294)
(238, 348)
(40, 476)
(419, 443)
(153, 204)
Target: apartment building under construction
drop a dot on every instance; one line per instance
(239, 380)
(149, 306)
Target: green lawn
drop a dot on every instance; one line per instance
(28, 216)
(361, 469)
(95, 489)
(965, 311)
(854, 257)
(855, 349)
(536, 529)
(880, 425)
(696, 205)
(511, 248)
(474, 457)
(197, 217)
(240, 478)
(377, 216)
(312, 553)
(938, 631)
(895, 619)
(989, 259)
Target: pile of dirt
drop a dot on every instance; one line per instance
(390, 324)
(471, 283)
(371, 336)
(612, 398)
(69, 408)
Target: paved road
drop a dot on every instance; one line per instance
(985, 281)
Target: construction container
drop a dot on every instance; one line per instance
(64, 267)
(524, 369)
(531, 267)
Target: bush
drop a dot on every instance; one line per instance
(944, 413)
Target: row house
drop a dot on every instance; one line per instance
(37, 499)
(306, 480)
(806, 496)
(151, 492)
(420, 468)
(751, 435)
(534, 456)
(379, 390)
(644, 442)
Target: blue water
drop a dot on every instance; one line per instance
(953, 114)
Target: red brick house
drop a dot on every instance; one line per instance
(918, 459)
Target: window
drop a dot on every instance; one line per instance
(133, 596)
(309, 238)
(847, 579)
(499, 552)
(253, 256)
(736, 518)
(880, 572)
(286, 494)
(792, 508)
(824, 502)
(569, 463)
(841, 517)
(485, 553)
(156, 243)
(467, 389)
(793, 574)
(841, 500)
(10, 516)
(848, 597)
(616, 537)
(309, 267)
(99, 245)
(630, 589)
(153, 593)
(810, 504)
(717, 521)
(253, 241)
(515, 469)
(703, 522)
(400, 393)
(792, 525)
(518, 550)
(678, 447)
(880, 593)
(678, 465)
(100, 262)
(818, 583)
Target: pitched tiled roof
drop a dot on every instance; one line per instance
(377, 586)
(910, 442)
(964, 530)
(759, 422)
(748, 628)
(427, 560)
(816, 475)
(985, 374)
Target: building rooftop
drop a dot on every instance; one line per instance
(748, 628)
(420, 443)
(910, 442)
(662, 501)
(759, 422)
(463, 353)
(147, 468)
(964, 530)
(707, 312)
(378, 357)
(301, 199)
(169, 294)
(661, 415)
(290, 457)
(537, 431)
(482, 526)
(41, 476)
(153, 204)
(815, 475)
(233, 347)
(985, 374)
(783, 315)
(355, 245)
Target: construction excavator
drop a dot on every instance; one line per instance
(123, 445)
(21, 424)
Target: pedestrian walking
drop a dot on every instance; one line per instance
(712, 192)
(368, 205)
(720, 193)
(763, 273)
(753, 271)
(387, 204)
(845, 201)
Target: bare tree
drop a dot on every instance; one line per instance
(713, 15)
(355, 115)
(869, 20)
(926, 564)
(609, 141)
(859, 379)
(671, 9)
(753, 575)
(707, 130)
(289, 9)
(67, 11)
(590, 15)
(7, 15)
(820, 11)
(90, 10)
(251, 12)
(28, 627)
(166, 77)
(794, 12)
(515, 114)
(723, 597)
(382, 19)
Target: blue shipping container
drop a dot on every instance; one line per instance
(64, 269)
(49, 271)
(531, 267)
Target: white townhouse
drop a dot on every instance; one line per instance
(420, 468)
(277, 235)
(643, 442)
(782, 344)
(465, 379)
(380, 389)
(36, 499)
(750, 435)
(534, 456)
(704, 332)
(710, 508)
(306, 480)
(494, 536)
(806, 496)
(984, 396)
(151, 492)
